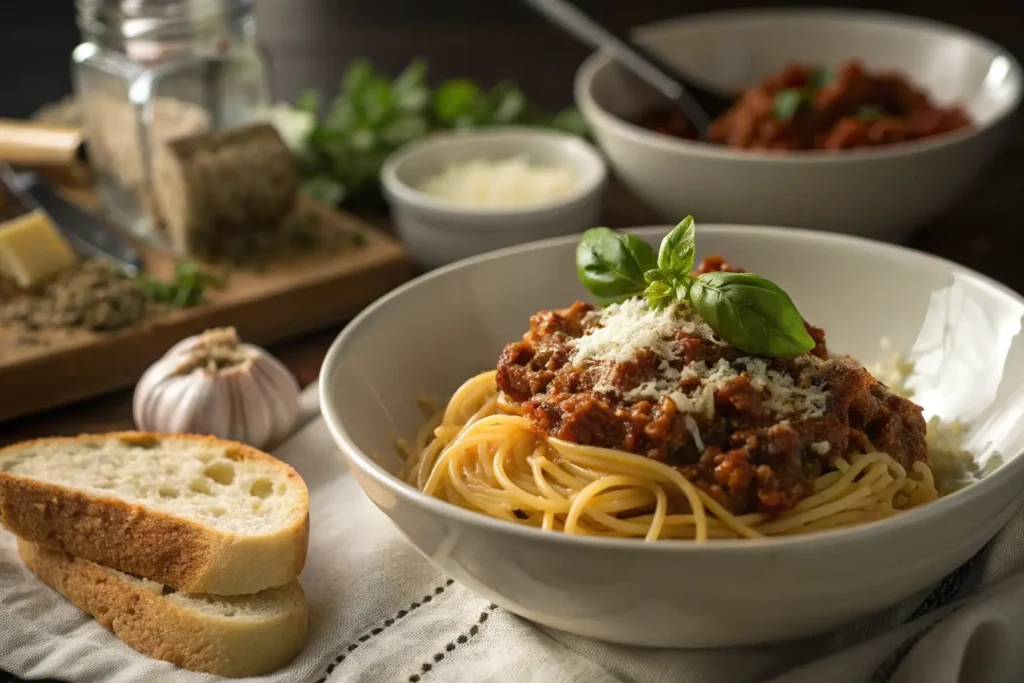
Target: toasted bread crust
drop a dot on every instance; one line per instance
(160, 628)
(143, 541)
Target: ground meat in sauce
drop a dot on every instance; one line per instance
(856, 108)
(752, 461)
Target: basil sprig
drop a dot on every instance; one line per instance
(747, 311)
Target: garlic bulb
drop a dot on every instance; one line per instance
(214, 384)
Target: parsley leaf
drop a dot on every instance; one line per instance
(372, 116)
(185, 289)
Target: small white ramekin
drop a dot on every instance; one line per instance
(438, 232)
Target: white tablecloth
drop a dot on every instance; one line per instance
(380, 613)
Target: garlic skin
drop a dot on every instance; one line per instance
(214, 384)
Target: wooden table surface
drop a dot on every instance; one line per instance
(310, 42)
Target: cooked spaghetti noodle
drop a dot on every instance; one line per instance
(638, 420)
(480, 454)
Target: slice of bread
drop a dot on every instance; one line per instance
(199, 514)
(246, 635)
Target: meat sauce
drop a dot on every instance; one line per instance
(855, 108)
(751, 459)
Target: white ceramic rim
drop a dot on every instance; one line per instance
(593, 179)
(890, 527)
(599, 60)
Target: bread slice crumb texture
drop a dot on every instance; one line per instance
(207, 481)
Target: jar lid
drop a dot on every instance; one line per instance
(153, 30)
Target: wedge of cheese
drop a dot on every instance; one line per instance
(32, 250)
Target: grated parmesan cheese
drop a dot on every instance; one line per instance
(630, 326)
(626, 328)
(821, 447)
(893, 370)
(507, 182)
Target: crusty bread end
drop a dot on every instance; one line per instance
(135, 528)
(238, 636)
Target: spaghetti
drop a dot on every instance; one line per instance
(481, 454)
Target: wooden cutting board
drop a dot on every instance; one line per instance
(288, 297)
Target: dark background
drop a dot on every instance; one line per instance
(311, 41)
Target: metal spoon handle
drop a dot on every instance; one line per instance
(637, 59)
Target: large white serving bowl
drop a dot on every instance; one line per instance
(429, 335)
(879, 192)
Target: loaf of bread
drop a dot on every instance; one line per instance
(214, 189)
(195, 513)
(246, 635)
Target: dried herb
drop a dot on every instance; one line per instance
(93, 296)
(99, 297)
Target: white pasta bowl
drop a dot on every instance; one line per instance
(882, 192)
(428, 336)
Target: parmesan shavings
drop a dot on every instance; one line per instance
(821, 447)
(629, 327)
(626, 328)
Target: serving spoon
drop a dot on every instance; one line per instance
(700, 105)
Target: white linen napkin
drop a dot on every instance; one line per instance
(380, 613)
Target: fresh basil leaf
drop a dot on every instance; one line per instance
(751, 313)
(786, 103)
(659, 294)
(683, 288)
(870, 112)
(656, 275)
(612, 264)
(676, 253)
(820, 77)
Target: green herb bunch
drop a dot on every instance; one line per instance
(185, 289)
(373, 115)
(745, 310)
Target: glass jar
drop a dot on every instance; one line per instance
(152, 71)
